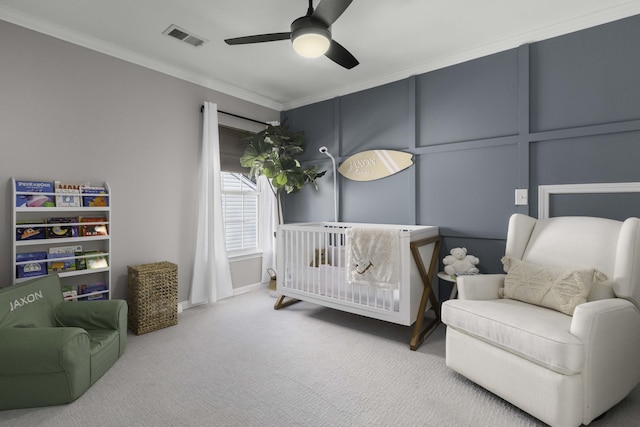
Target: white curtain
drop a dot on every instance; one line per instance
(268, 226)
(211, 272)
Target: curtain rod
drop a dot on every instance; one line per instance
(238, 116)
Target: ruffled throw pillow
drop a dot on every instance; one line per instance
(560, 289)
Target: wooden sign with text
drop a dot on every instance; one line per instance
(375, 164)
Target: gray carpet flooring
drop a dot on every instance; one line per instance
(241, 363)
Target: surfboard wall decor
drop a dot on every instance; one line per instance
(375, 164)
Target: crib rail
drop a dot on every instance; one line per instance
(315, 264)
(311, 266)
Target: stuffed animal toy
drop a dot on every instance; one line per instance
(320, 258)
(460, 263)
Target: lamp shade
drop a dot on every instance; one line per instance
(310, 39)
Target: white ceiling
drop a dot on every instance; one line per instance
(391, 39)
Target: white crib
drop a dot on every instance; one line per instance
(311, 266)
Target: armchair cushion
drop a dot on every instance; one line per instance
(560, 289)
(106, 325)
(536, 333)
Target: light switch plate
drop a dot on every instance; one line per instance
(522, 196)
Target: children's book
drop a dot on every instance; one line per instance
(98, 261)
(67, 227)
(93, 226)
(94, 196)
(69, 293)
(34, 200)
(65, 256)
(91, 259)
(30, 231)
(91, 288)
(31, 269)
(67, 194)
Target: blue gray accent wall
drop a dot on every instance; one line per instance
(561, 111)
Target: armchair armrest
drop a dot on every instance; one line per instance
(41, 350)
(608, 330)
(480, 287)
(43, 366)
(95, 315)
(92, 315)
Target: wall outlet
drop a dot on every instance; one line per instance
(522, 196)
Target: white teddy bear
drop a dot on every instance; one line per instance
(460, 263)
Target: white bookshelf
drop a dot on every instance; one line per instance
(96, 247)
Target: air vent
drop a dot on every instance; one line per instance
(184, 36)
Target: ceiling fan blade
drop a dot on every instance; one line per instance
(261, 38)
(328, 11)
(341, 56)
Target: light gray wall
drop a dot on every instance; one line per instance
(566, 110)
(561, 111)
(73, 114)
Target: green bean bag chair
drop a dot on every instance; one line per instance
(51, 350)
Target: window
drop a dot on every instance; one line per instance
(240, 197)
(240, 212)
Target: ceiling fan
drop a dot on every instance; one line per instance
(311, 34)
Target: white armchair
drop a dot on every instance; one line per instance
(563, 369)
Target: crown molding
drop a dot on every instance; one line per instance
(59, 32)
(566, 27)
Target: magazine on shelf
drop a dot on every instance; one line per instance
(94, 196)
(69, 293)
(91, 260)
(63, 252)
(34, 200)
(93, 226)
(99, 261)
(87, 289)
(62, 230)
(31, 269)
(29, 230)
(67, 194)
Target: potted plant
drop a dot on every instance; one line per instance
(272, 153)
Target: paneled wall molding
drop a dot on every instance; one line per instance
(524, 89)
(468, 145)
(565, 109)
(545, 192)
(524, 120)
(413, 141)
(414, 113)
(577, 132)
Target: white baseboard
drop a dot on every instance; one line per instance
(184, 305)
(248, 288)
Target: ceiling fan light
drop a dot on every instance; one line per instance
(311, 42)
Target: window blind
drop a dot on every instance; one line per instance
(232, 147)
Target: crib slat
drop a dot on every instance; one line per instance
(308, 271)
(315, 264)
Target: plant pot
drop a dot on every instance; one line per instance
(272, 287)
